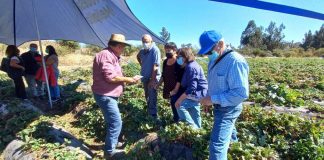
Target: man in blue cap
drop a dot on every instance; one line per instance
(228, 87)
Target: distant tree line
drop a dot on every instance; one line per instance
(269, 41)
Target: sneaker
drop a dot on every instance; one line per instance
(120, 144)
(116, 154)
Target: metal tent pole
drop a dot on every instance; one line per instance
(41, 50)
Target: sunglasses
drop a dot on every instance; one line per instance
(209, 52)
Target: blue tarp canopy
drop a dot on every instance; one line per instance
(87, 21)
(275, 7)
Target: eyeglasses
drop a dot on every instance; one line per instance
(210, 52)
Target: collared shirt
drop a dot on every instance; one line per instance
(106, 67)
(149, 59)
(228, 83)
(194, 81)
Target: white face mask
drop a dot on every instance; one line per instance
(146, 46)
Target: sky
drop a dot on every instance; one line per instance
(187, 19)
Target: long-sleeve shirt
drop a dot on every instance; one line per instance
(31, 65)
(228, 83)
(106, 67)
(194, 81)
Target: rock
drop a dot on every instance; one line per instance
(29, 105)
(3, 110)
(168, 151)
(14, 151)
(319, 102)
(248, 103)
(60, 135)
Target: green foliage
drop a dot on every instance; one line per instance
(17, 119)
(131, 69)
(262, 134)
(252, 35)
(67, 47)
(273, 36)
(165, 35)
(92, 121)
(283, 95)
(308, 40)
(92, 49)
(303, 79)
(37, 139)
(131, 50)
(259, 42)
(281, 132)
(319, 38)
(70, 44)
(184, 134)
(319, 52)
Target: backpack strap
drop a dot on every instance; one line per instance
(221, 57)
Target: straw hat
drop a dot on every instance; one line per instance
(118, 38)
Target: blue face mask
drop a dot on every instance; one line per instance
(213, 56)
(180, 61)
(33, 49)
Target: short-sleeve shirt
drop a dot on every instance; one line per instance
(171, 75)
(150, 58)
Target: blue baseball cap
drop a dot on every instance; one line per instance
(207, 40)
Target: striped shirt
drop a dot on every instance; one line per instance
(228, 83)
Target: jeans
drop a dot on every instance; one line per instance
(40, 88)
(223, 131)
(173, 100)
(151, 99)
(110, 111)
(55, 90)
(31, 82)
(189, 111)
(20, 88)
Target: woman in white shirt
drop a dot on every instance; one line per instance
(16, 70)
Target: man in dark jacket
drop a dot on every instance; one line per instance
(35, 88)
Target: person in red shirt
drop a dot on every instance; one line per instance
(108, 84)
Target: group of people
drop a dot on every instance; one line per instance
(29, 65)
(185, 85)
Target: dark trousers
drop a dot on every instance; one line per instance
(20, 88)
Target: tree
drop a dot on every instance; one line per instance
(319, 38)
(308, 40)
(165, 35)
(72, 45)
(274, 36)
(252, 35)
